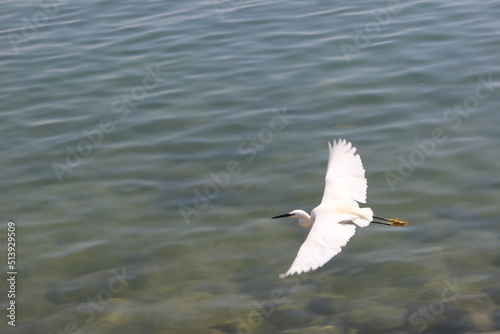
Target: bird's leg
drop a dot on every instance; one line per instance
(374, 222)
(391, 222)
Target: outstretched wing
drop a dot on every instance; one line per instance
(325, 240)
(345, 176)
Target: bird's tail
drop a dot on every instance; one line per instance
(365, 217)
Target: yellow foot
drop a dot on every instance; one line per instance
(397, 222)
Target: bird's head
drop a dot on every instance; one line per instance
(304, 219)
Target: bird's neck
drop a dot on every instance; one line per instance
(306, 221)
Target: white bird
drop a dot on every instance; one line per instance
(330, 222)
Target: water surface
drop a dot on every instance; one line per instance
(145, 146)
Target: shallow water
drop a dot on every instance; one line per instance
(145, 147)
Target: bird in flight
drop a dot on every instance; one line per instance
(334, 221)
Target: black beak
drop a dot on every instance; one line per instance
(283, 216)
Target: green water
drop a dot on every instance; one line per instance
(145, 147)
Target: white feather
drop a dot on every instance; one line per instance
(345, 183)
(345, 175)
(325, 240)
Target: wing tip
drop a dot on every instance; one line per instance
(341, 142)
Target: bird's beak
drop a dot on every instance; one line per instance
(283, 216)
